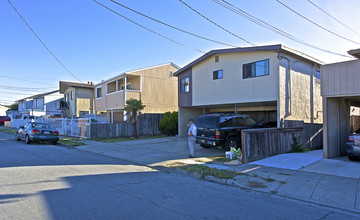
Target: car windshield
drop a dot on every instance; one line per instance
(205, 121)
(42, 126)
(250, 122)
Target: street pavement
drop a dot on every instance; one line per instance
(41, 181)
(301, 176)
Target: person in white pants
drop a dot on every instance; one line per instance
(192, 132)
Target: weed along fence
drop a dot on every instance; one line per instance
(260, 143)
(148, 124)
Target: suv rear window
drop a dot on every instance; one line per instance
(207, 121)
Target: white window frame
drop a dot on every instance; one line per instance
(100, 87)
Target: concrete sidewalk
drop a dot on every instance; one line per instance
(308, 178)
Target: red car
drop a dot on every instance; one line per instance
(3, 119)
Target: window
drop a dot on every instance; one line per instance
(71, 95)
(185, 84)
(128, 86)
(216, 59)
(98, 93)
(218, 74)
(317, 76)
(226, 122)
(239, 121)
(259, 68)
(82, 113)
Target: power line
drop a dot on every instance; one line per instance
(219, 26)
(52, 54)
(333, 17)
(26, 88)
(148, 29)
(3, 76)
(309, 20)
(173, 27)
(270, 27)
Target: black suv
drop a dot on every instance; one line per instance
(222, 129)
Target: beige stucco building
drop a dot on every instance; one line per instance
(78, 99)
(273, 84)
(155, 86)
(340, 89)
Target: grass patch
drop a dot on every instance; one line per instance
(207, 171)
(284, 174)
(242, 174)
(8, 130)
(70, 142)
(219, 159)
(121, 139)
(273, 191)
(282, 182)
(254, 184)
(269, 179)
(175, 164)
(255, 175)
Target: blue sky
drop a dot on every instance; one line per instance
(95, 44)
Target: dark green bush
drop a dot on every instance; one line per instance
(169, 123)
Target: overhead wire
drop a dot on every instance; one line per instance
(148, 29)
(318, 7)
(9, 77)
(270, 27)
(46, 47)
(316, 24)
(171, 26)
(217, 25)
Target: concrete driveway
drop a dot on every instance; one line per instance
(150, 151)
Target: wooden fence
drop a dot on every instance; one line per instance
(354, 123)
(148, 124)
(261, 143)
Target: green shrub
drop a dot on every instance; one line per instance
(169, 123)
(296, 146)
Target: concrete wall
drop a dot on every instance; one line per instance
(336, 126)
(185, 114)
(233, 88)
(299, 91)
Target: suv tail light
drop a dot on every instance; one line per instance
(56, 132)
(350, 138)
(217, 135)
(35, 131)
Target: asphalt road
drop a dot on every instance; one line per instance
(41, 181)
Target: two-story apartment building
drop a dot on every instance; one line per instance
(155, 86)
(42, 104)
(271, 83)
(78, 99)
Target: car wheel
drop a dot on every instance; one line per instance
(27, 139)
(17, 137)
(54, 142)
(204, 146)
(231, 142)
(352, 157)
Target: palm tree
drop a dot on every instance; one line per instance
(133, 106)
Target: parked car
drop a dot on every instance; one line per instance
(3, 119)
(36, 131)
(222, 129)
(353, 146)
(30, 117)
